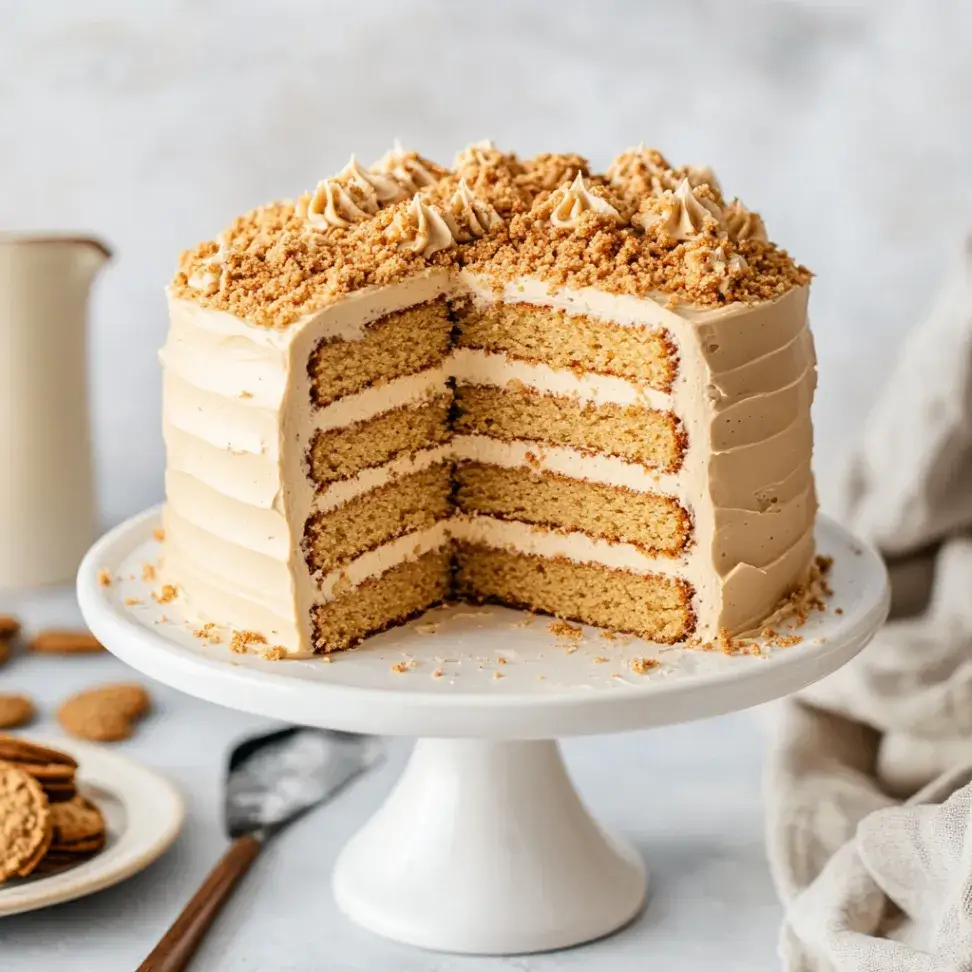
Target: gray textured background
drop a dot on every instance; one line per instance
(153, 123)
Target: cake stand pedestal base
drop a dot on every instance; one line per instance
(486, 848)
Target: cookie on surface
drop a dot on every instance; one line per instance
(78, 826)
(16, 711)
(26, 825)
(65, 641)
(106, 713)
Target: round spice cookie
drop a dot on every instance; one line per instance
(26, 827)
(104, 714)
(30, 866)
(15, 711)
(14, 749)
(78, 825)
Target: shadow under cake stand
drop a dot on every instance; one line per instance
(484, 846)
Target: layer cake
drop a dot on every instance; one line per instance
(513, 380)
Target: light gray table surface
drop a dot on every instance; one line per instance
(687, 796)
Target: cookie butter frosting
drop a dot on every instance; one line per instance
(238, 416)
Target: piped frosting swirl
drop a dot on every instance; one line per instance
(470, 217)
(407, 168)
(574, 199)
(420, 228)
(743, 224)
(683, 214)
(377, 186)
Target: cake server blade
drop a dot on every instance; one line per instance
(271, 781)
(274, 779)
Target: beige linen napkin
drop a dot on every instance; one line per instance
(870, 883)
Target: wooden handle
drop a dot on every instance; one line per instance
(179, 943)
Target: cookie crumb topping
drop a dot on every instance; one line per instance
(643, 228)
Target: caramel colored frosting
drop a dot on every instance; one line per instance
(741, 224)
(683, 214)
(420, 228)
(633, 230)
(470, 217)
(408, 169)
(574, 199)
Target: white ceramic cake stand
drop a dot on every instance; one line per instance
(484, 845)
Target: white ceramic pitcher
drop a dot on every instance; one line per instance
(48, 514)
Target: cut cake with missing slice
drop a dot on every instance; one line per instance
(512, 381)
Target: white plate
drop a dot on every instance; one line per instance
(143, 812)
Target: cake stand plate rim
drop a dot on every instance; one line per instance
(452, 712)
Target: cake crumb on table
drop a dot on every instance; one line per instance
(148, 572)
(601, 660)
(104, 577)
(641, 666)
(276, 653)
(405, 666)
(159, 534)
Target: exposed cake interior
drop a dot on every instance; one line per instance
(513, 382)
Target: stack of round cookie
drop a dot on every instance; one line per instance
(45, 824)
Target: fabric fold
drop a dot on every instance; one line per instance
(869, 787)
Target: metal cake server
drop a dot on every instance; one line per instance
(271, 781)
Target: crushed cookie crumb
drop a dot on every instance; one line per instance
(427, 629)
(641, 666)
(148, 572)
(405, 666)
(609, 635)
(167, 594)
(564, 629)
(208, 633)
(498, 675)
(272, 267)
(104, 577)
(437, 673)
(242, 641)
(601, 660)
(500, 660)
(132, 601)
(276, 653)
(159, 534)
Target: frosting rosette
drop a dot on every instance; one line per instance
(407, 168)
(468, 216)
(683, 214)
(572, 200)
(420, 228)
